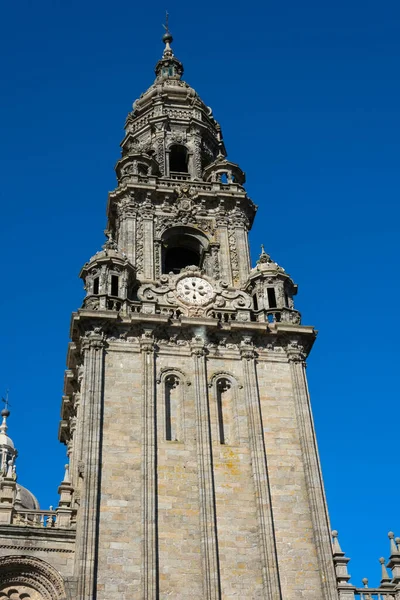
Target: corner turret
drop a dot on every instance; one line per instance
(272, 290)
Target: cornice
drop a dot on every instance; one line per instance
(35, 534)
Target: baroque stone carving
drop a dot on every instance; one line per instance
(233, 254)
(139, 245)
(32, 572)
(166, 292)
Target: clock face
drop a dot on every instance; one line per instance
(194, 290)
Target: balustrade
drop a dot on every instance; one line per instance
(180, 176)
(374, 594)
(34, 518)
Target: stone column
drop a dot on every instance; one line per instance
(312, 471)
(77, 434)
(269, 562)
(92, 415)
(208, 521)
(149, 470)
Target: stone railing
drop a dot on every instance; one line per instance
(374, 594)
(278, 315)
(43, 519)
(34, 518)
(180, 176)
(275, 315)
(224, 316)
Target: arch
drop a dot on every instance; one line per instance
(24, 573)
(217, 374)
(182, 247)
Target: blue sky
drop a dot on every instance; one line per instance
(307, 94)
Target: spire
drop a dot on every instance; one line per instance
(167, 38)
(385, 578)
(168, 67)
(394, 558)
(265, 259)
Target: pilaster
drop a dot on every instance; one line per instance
(127, 234)
(269, 561)
(148, 245)
(242, 246)
(209, 539)
(149, 470)
(92, 405)
(312, 471)
(225, 257)
(8, 487)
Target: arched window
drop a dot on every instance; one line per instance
(178, 159)
(172, 402)
(225, 411)
(182, 247)
(179, 257)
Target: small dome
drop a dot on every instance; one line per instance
(28, 500)
(6, 441)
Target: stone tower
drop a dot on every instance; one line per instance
(193, 467)
(191, 442)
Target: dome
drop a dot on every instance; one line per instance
(27, 499)
(6, 441)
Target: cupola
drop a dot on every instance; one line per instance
(272, 290)
(109, 277)
(224, 171)
(168, 67)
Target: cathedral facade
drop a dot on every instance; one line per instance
(193, 468)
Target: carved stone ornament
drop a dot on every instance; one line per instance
(194, 290)
(20, 571)
(296, 352)
(195, 294)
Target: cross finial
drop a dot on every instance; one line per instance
(166, 26)
(7, 404)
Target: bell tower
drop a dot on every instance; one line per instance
(186, 413)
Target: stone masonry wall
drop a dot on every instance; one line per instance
(178, 506)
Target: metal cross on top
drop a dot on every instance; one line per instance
(6, 402)
(166, 26)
